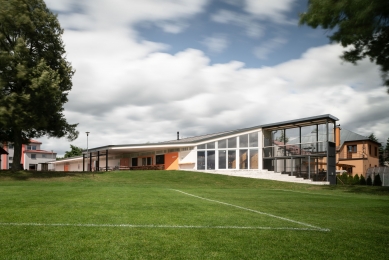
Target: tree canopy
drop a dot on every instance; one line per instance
(74, 151)
(361, 24)
(35, 76)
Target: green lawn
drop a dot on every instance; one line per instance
(186, 215)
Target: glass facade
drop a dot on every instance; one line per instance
(240, 152)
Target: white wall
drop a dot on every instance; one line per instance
(187, 160)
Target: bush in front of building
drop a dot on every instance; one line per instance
(377, 180)
(362, 180)
(369, 181)
(356, 180)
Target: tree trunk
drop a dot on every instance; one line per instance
(18, 142)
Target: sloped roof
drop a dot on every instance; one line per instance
(348, 136)
(39, 151)
(2, 151)
(204, 138)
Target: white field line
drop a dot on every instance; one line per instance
(157, 226)
(256, 211)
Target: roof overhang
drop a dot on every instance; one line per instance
(2, 151)
(308, 121)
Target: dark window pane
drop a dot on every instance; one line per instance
(253, 159)
(253, 138)
(232, 142)
(210, 160)
(222, 159)
(231, 160)
(200, 160)
(211, 145)
(244, 141)
(201, 146)
(243, 154)
(222, 144)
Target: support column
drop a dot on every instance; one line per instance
(106, 160)
(309, 167)
(83, 162)
(90, 162)
(98, 162)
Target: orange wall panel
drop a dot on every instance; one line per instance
(171, 161)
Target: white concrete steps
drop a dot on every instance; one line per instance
(264, 174)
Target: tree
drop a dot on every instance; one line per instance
(74, 151)
(35, 77)
(377, 180)
(362, 24)
(386, 157)
(369, 181)
(283, 138)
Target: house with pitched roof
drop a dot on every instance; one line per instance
(33, 157)
(356, 153)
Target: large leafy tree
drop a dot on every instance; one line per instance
(361, 24)
(35, 77)
(74, 151)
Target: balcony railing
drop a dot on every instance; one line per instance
(295, 149)
(348, 156)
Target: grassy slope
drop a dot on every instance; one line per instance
(357, 217)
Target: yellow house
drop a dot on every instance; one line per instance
(355, 153)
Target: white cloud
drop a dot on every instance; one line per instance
(216, 43)
(128, 91)
(270, 9)
(262, 51)
(252, 28)
(102, 15)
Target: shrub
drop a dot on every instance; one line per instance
(377, 180)
(356, 179)
(362, 181)
(369, 181)
(350, 180)
(343, 177)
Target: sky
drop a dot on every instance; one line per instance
(147, 69)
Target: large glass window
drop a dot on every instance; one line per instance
(243, 159)
(244, 141)
(222, 159)
(253, 139)
(232, 142)
(201, 160)
(210, 160)
(231, 160)
(253, 159)
(222, 144)
(201, 146)
(211, 145)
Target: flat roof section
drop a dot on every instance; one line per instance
(308, 121)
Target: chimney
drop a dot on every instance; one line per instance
(337, 133)
(178, 135)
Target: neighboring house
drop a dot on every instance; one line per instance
(33, 158)
(356, 153)
(292, 147)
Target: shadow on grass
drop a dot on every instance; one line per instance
(361, 189)
(26, 175)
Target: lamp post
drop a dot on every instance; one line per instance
(87, 150)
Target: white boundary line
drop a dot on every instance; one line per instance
(256, 211)
(157, 226)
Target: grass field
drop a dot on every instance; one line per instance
(186, 215)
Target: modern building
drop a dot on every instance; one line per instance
(303, 147)
(33, 158)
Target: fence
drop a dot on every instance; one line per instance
(382, 171)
